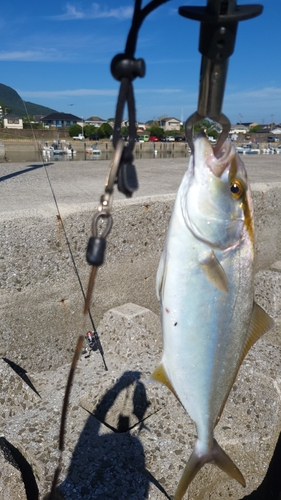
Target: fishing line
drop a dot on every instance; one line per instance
(65, 234)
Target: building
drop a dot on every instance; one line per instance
(126, 123)
(95, 120)
(276, 130)
(60, 120)
(169, 123)
(239, 128)
(12, 121)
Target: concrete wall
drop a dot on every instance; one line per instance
(41, 300)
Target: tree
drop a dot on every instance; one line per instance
(90, 130)
(105, 130)
(75, 130)
(255, 129)
(5, 109)
(125, 131)
(154, 129)
(206, 126)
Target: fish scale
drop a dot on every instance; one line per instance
(205, 287)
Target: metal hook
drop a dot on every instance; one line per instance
(109, 185)
(107, 229)
(106, 198)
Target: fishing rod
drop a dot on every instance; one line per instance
(95, 343)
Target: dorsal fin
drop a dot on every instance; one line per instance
(214, 272)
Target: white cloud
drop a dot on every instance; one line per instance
(29, 55)
(53, 94)
(264, 93)
(254, 105)
(157, 90)
(94, 12)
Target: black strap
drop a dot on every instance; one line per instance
(125, 68)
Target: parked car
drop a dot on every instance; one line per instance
(170, 138)
(272, 139)
(162, 138)
(153, 138)
(211, 138)
(79, 137)
(178, 138)
(144, 138)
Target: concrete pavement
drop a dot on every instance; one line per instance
(41, 317)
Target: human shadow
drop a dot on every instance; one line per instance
(111, 465)
(27, 170)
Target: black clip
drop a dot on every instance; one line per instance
(127, 179)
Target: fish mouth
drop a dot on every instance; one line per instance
(205, 155)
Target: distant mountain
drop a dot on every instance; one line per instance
(11, 99)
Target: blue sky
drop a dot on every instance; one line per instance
(58, 54)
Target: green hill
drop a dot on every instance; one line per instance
(9, 98)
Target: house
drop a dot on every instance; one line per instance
(95, 120)
(169, 123)
(60, 120)
(239, 128)
(38, 118)
(12, 121)
(142, 126)
(276, 130)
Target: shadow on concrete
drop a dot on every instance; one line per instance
(17, 460)
(111, 466)
(22, 373)
(270, 488)
(31, 168)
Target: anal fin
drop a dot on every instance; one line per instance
(159, 375)
(260, 323)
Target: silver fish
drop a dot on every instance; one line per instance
(205, 286)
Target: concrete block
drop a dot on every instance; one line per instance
(127, 438)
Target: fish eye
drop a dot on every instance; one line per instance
(237, 189)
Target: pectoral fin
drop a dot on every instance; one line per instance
(260, 323)
(161, 276)
(214, 272)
